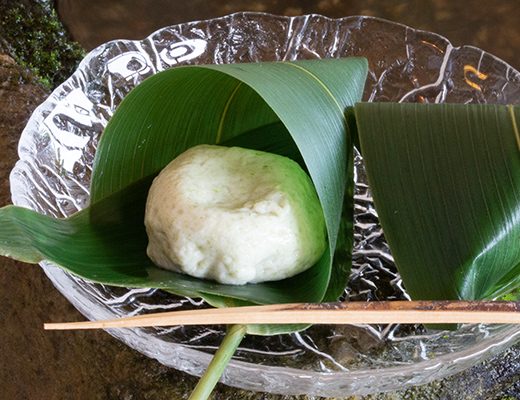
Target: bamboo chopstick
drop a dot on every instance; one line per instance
(387, 312)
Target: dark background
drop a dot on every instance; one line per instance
(490, 25)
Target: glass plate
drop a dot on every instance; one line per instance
(53, 175)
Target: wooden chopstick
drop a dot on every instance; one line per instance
(386, 312)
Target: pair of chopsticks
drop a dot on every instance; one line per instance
(386, 312)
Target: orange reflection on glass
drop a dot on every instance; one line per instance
(478, 74)
(431, 44)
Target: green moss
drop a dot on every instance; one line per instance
(33, 35)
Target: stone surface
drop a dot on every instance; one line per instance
(38, 364)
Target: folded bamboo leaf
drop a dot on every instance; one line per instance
(446, 185)
(154, 124)
(182, 107)
(295, 109)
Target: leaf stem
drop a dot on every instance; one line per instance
(219, 362)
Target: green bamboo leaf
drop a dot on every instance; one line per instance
(295, 109)
(446, 185)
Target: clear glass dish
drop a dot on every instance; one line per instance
(57, 148)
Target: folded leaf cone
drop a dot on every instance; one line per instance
(299, 109)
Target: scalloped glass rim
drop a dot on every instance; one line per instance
(57, 146)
